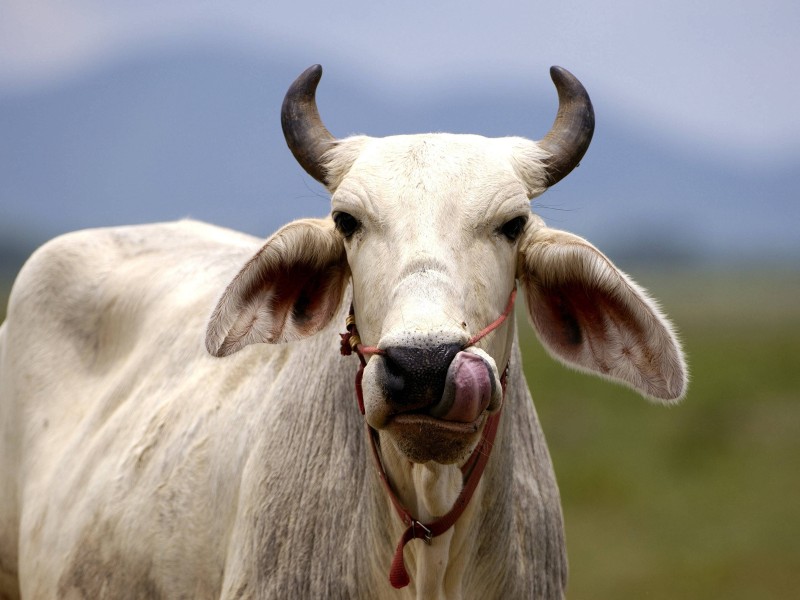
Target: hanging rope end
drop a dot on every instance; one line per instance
(398, 576)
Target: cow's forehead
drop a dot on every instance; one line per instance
(429, 168)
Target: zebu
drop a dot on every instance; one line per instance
(136, 464)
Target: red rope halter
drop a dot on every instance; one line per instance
(471, 470)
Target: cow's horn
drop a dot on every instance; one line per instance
(306, 135)
(569, 137)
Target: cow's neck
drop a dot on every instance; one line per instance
(429, 491)
(518, 480)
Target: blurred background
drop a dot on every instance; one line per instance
(114, 112)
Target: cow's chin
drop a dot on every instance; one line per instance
(422, 438)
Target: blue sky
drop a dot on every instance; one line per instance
(718, 75)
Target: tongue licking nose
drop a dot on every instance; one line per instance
(468, 389)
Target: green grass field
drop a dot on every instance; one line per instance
(701, 500)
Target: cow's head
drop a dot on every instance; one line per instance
(434, 231)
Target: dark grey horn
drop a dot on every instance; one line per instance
(569, 137)
(305, 134)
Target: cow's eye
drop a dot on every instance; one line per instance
(513, 228)
(346, 223)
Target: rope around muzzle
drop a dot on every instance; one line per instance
(471, 470)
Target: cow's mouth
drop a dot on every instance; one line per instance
(423, 438)
(446, 430)
(432, 412)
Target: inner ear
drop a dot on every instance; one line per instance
(590, 315)
(289, 290)
(297, 300)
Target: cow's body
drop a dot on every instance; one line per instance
(135, 465)
(177, 420)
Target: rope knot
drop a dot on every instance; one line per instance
(350, 340)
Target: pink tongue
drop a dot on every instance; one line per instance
(473, 388)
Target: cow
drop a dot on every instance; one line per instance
(181, 418)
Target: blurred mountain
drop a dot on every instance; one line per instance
(196, 133)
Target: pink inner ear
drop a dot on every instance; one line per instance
(577, 319)
(594, 328)
(570, 316)
(592, 316)
(288, 290)
(303, 299)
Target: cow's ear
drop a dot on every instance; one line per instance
(289, 290)
(591, 316)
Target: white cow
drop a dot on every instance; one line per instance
(137, 464)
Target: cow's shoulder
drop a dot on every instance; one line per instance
(78, 260)
(80, 282)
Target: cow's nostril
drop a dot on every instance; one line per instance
(415, 376)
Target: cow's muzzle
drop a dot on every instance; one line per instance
(442, 381)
